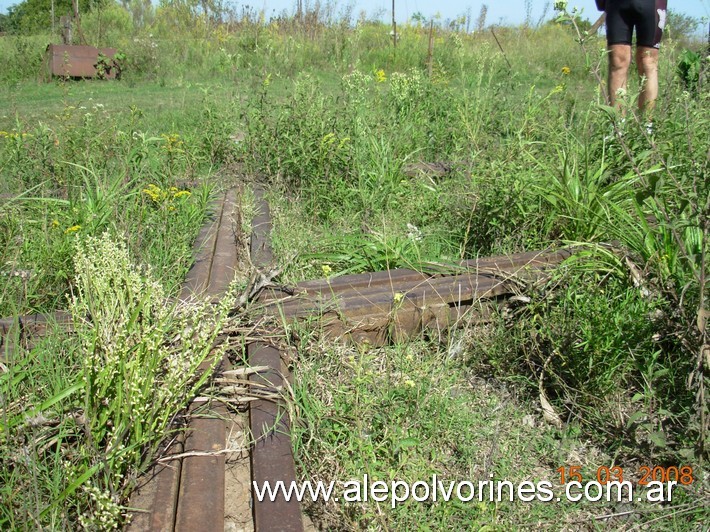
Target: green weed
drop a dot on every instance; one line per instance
(83, 429)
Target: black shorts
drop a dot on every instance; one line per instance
(647, 16)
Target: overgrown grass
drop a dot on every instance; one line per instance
(615, 338)
(75, 437)
(101, 201)
(337, 121)
(95, 167)
(407, 413)
(420, 409)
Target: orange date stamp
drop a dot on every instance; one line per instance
(682, 475)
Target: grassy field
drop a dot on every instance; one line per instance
(105, 184)
(105, 187)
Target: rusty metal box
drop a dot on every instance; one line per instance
(77, 61)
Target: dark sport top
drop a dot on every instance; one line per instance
(647, 16)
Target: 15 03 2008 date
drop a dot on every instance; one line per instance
(682, 475)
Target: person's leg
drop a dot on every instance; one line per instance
(649, 31)
(619, 30)
(619, 61)
(647, 64)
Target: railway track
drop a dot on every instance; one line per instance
(191, 492)
(394, 305)
(189, 488)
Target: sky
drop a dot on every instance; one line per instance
(499, 11)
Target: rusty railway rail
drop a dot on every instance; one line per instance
(397, 304)
(188, 492)
(26, 330)
(272, 453)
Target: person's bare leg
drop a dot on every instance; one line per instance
(619, 61)
(647, 64)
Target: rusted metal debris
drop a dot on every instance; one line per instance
(27, 330)
(154, 501)
(394, 305)
(201, 497)
(272, 453)
(74, 61)
(188, 494)
(200, 504)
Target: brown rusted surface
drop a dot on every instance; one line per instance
(76, 61)
(201, 494)
(392, 306)
(224, 259)
(388, 317)
(271, 454)
(261, 254)
(38, 324)
(198, 277)
(154, 502)
(189, 495)
(361, 280)
(29, 329)
(215, 264)
(216, 258)
(379, 298)
(382, 329)
(508, 264)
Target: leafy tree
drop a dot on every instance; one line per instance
(35, 16)
(681, 26)
(419, 17)
(4, 23)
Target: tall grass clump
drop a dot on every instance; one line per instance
(636, 199)
(617, 337)
(71, 451)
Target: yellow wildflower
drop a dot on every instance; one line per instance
(410, 383)
(172, 142)
(72, 229)
(181, 194)
(380, 76)
(566, 70)
(327, 140)
(398, 297)
(55, 224)
(155, 193)
(326, 270)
